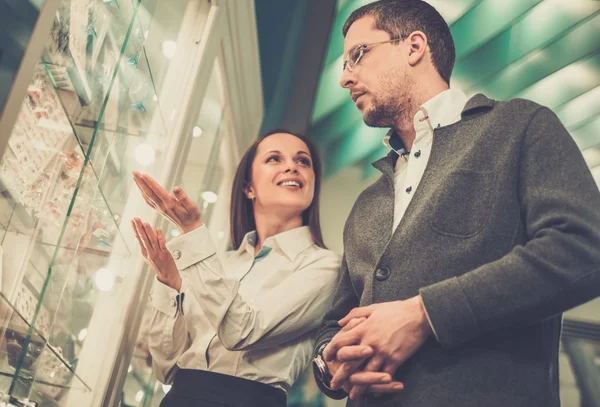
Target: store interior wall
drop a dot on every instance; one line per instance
(293, 38)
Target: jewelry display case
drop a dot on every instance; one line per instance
(116, 86)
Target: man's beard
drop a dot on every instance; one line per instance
(382, 115)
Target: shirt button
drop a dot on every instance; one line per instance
(408, 190)
(176, 254)
(418, 154)
(382, 273)
(173, 302)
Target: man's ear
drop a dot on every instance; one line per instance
(417, 42)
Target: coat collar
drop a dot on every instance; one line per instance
(479, 103)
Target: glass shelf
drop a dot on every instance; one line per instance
(92, 115)
(28, 360)
(65, 180)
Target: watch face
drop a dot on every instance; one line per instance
(320, 367)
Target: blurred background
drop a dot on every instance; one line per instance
(91, 90)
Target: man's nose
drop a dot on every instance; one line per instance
(348, 79)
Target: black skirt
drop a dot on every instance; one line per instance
(200, 388)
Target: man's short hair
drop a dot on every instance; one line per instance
(401, 17)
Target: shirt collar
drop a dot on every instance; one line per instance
(291, 242)
(443, 109)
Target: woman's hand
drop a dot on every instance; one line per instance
(155, 253)
(177, 207)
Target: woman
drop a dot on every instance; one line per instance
(240, 331)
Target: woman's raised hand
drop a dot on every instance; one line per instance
(155, 253)
(177, 207)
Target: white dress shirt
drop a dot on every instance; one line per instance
(253, 317)
(442, 110)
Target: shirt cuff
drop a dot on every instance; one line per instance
(192, 247)
(166, 299)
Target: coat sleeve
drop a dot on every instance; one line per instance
(559, 266)
(344, 300)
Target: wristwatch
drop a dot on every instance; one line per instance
(320, 368)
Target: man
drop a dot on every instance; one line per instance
(460, 259)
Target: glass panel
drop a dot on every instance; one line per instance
(205, 157)
(91, 116)
(24, 350)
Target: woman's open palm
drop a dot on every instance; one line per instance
(177, 207)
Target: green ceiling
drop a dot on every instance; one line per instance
(547, 51)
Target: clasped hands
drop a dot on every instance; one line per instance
(180, 210)
(372, 344)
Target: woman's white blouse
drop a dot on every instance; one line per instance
(253, 317)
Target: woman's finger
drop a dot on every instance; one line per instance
(183, 198)
(142, 232)
(137, 236)
(148, 201)
(147, 192)
(155, 188)
(162, 243)
(151, 237)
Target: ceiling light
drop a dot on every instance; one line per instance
(82, 334)
(139, 396)
(209, 196)
(145, 154)
(168, 48)
(197, 132)
(104, 279)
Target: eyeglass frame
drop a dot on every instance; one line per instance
(361, 48)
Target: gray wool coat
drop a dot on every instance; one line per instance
(501, 236)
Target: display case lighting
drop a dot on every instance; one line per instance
(82, 334)
(145, 154)
(169, 48)
(209, 196)
(139, 396)
(197, 132)
(104, 279)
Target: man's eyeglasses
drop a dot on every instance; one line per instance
(356, 52)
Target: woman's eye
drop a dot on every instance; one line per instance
(304, 161)
(273, 158)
